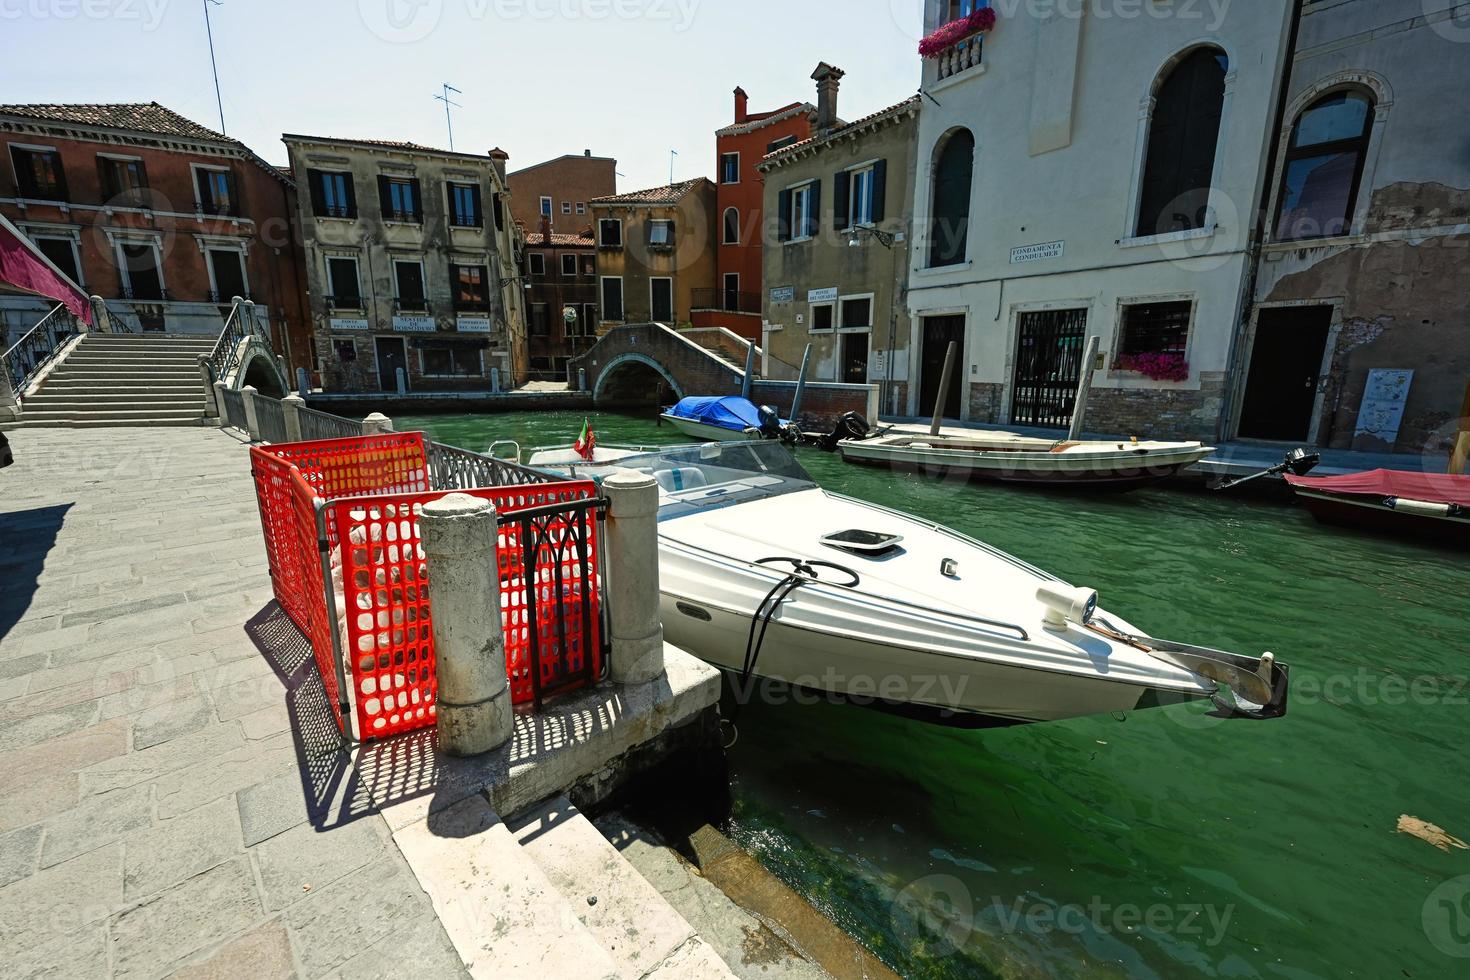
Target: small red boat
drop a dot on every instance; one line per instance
(1395, 501)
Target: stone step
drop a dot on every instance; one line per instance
(499, 909)
(111, 414)
(71, 422)
(40, 402)
(59, 382)
(608, 895)
(82, 371)
(85, 353)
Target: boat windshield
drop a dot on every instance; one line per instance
(718, 474)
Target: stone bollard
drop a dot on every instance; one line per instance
(252, 421)
(211, 406)
(581, 379)
(474, 709)
(291, 407)
(632, 578)
(495, 381)
(219, 400)
(401, 379)
(303, 382)
(376, 424)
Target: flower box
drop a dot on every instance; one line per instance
(1156, 366)
(945, 37)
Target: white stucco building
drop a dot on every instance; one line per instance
(1088, 169)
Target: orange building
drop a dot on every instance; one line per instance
(734, 302)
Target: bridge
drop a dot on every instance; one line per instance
(642, 364)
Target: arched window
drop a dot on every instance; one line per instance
(1181, 144)
(949, 224)
(732, 227)
(1324, 165)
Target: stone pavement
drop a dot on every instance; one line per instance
(173, 801)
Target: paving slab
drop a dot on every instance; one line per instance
(20, 853)
(153, 936)
(304, 859)
(263, 953)
(175, 850)
(96, 821)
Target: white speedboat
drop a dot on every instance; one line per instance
(1014, 458)
(766, 575)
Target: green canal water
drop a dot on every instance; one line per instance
(1166, 843)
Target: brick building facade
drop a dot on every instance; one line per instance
(163, 218)
(563, 190)
(561, 299)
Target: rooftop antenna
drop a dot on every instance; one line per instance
(213, 67)
(444, 97)
(672, 155)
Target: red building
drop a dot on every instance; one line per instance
(735, 300)
(163, 218)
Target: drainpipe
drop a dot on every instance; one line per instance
(1233, 384)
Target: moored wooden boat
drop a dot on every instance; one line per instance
(1119, 465)
(1433, 505)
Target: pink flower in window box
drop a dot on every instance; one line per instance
(1156, 366)
(945, 37)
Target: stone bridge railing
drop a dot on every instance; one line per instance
(626, 365)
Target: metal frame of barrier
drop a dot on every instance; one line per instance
(339, 519)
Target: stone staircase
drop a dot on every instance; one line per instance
(548, 895)
(123, 379)
(722, 344)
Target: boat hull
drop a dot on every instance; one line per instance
(1377, 517)
(959, 691)
(1120, 471)
(707, 433)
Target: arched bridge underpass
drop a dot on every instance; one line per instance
(648, 364)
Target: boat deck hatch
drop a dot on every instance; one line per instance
(869, 544)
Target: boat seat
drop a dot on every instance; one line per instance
(680, 478)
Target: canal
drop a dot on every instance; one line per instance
(1162, 844)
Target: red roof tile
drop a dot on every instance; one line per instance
(668, 194)
(143, 117)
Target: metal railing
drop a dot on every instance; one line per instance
(271, 418)
(38, 348)
(451, 468)
(320, 425)
(238, 325)
(555, 546)
(233, 409)
(726, 300)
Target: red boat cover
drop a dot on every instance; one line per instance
(1436, 488)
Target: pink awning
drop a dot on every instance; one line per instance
(1439, 488)
(24, 267)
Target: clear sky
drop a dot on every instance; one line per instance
(626, 78)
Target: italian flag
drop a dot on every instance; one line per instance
(586, 442)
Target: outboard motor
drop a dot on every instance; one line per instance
(770, 422)
(849, 426)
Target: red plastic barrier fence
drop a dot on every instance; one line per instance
(365, 496)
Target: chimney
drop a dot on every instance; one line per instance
(546, 229)
(828, 79)
(742, 105)
(499, 156)
(586, 153)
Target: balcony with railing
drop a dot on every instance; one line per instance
(955, 46)
(726, 300)
(348, 303)
(412, 304)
